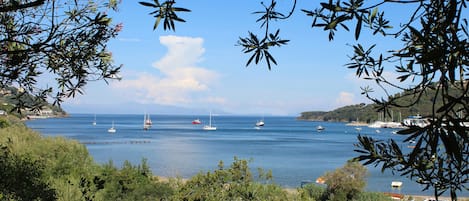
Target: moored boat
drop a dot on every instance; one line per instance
(147, 122)
(209, 127)
(94, 121)
(112, 129)
(416, 120)
(260, 123)
(396, 184)
(320, 128)
(196, 121)
(320, 180)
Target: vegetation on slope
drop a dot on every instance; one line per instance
(369, 112)
(9, 100)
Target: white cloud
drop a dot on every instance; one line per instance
(183, 52)
(344, 99)
(181, 80)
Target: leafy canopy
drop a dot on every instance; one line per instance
(62, 39)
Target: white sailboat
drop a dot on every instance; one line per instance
(260, 122)
(147, 122)
(112, 129)
(209, 127)
(94, 122)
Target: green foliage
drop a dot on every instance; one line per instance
(35, 42)
(372, 196)
(165, 11)
(312, 192)
(358, 112)
(346, 183)
(233, 183)
(129, 183)
(4, 122)
(260, 47)
(61, 160)
(22, 178)
(63, 168)
(370, 112)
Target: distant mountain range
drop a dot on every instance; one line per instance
(368, 112)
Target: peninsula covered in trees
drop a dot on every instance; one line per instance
(369, 112)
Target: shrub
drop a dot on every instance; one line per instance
(312, 192)
(372, 196)
(234, 183)
(128, 183)
(22, 178)
(346, 183)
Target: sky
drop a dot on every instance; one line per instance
(199, 68)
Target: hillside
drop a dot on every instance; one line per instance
(7, 104)
(368, 112)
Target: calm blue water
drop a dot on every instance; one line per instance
(292, 149)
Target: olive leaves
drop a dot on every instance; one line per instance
(167, 12)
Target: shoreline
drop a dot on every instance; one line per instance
(291, 190)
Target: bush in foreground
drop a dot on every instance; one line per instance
(233, 183)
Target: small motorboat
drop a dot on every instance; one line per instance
(260, 123)
(320, 128)
(196, 121)
(320, 180)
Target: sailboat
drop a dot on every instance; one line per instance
(209, 127)
(146, 122)
(94, 122)
(112, 129)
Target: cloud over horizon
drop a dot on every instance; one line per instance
(176, 79)
(345, 98)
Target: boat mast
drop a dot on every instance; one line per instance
(210, 120)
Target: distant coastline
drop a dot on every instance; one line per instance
(34, 116)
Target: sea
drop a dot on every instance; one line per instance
(293, 150)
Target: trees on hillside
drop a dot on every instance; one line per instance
(434, 40)
(64, 39)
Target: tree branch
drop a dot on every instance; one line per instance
(14, 7)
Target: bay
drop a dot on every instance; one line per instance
(292, 149)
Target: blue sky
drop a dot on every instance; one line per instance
(199, 68)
